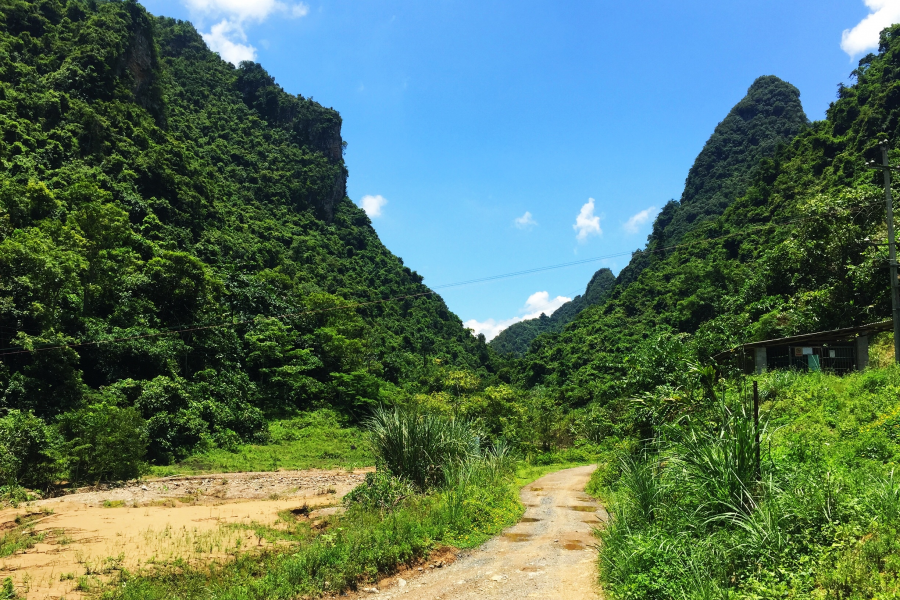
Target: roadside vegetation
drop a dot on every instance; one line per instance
(694, 516)
(436, 485)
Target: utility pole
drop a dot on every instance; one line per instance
(756, 429)
(886, 168)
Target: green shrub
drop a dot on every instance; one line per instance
(419, 446)
(104, 442)
(8, 592)
(381, 491)
(27, 451)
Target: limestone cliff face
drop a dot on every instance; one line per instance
(328, 141)
(139, 63)
(310, 124)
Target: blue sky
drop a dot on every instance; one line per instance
(487, 137)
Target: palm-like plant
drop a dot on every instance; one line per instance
(421, 447)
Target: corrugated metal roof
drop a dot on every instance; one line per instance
(835, 335)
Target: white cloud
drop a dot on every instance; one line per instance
(540, 302)
(299, 10)
(865, 35)
(526, 221)
(634, 223)
(221, 39)
(490, 328)
(537, 303)
(373, 204)
(227, 36)
(246, 10)
(586, 223)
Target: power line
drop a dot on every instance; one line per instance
(198, 327)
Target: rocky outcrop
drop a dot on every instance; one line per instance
(310, 124)
(140, 64)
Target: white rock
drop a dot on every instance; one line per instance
(401, 582)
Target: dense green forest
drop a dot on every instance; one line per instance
(516, 338)
(148, 186)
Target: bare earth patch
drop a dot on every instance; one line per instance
(94, 533)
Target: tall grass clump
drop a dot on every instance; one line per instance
(720, 461)
(421, 447)
(694, 515)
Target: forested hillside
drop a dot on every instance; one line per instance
(788, 256)
(148, 186)
(516, 338)
(769, 115)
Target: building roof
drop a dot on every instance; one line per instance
(835, 335)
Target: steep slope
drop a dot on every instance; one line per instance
(516, 338)
(789, 256)
(148, 186)
(768, 116)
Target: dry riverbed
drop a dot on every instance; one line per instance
(91, 534)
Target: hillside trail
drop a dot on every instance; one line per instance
(550, 553)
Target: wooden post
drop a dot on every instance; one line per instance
(756, 428)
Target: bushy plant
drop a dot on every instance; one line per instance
(28, 449)
(381, 491)
(104, 442)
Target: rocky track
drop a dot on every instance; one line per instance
(550, 553)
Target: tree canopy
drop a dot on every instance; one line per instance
(175, 238)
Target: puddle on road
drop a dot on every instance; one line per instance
(517, 537)
(536, 489)
(583, 508)
(573, 546)
(530, 569)
(528, 520)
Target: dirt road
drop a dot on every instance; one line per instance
(549, 554)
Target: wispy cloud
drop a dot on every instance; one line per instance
(635, 222)
(526, 221)
(373, 205)
(586, 223)
(864, 36)
(228, 37)
(537, 303)
(225, 38)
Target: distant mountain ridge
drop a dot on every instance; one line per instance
(517, 338)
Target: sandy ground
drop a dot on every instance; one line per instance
(157, 521)
(550, 553)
